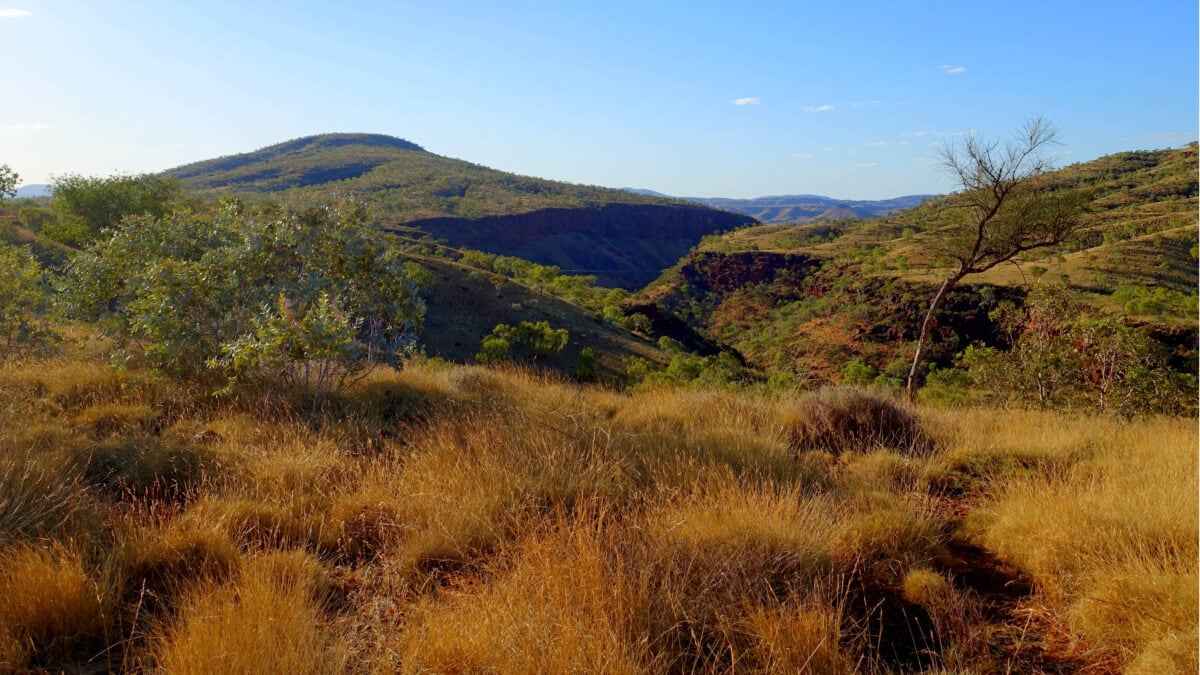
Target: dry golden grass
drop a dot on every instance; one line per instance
(1112, 541)
(455, 519)
(566, 603)
(267, 621)
(50, 614)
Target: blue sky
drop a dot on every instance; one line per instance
(847, 99)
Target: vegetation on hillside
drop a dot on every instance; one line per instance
(401, 179)
(840, 301)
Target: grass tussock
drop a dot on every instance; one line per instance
(267, 621)
(566, 603)
(851, 419)
(39, 491)
(51, 613)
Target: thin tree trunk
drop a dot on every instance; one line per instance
(926, 325)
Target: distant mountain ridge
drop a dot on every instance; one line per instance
(33, 190)
(625, 238)
(803, 208)
(807, 208)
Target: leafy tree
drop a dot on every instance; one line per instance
(308, 296)
(23, 297)
(586, 368)
(1064, 355)
(88, 204)
(537, 339)
(1005, 208)
(8, 182)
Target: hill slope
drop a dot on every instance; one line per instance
(464, 304)
(814, 297)
(607, 230)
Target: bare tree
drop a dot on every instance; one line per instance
(1005, 207)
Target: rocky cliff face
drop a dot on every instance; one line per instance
(623, 245)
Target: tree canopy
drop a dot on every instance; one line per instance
(307, 296)
(88, 204)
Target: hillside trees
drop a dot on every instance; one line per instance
(8, 182)
(1004, 208)
(305, 296)
(23, 299)
(536, 339)
(88, 204)
(1060, 354)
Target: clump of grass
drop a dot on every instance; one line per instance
(958, 624)
(883, 539)
(881, 471)
(139, 467)
(38, 491)
(268, 621)
(103, 421)
(808, 633)
(850, 419)
(983, 448)
(51, 613)
(152, 568)
(724, 550)
(261, 525)
(566, 603)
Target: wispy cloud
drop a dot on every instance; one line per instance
(861, 104)
(818, 108)
(749, 100)
(942, 134)
(803, 155)
(952, 70)
(26, 126)
(13, 13)
(884, 144)
(856, 167)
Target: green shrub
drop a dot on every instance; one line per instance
(306, 296)
(23, 297)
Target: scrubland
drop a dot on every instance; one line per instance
(459, 519)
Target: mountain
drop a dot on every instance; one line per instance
(807, 208)
(34, 190)
(623, 238)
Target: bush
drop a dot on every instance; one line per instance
(845, 419)
(89, 204)
(23, 297)
(534, 339)
(306, 297)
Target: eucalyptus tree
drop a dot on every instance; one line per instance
(309, 296)
(1005, 207)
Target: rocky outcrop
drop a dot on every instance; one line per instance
(716, 272)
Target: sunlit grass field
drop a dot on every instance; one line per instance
(463, 519)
